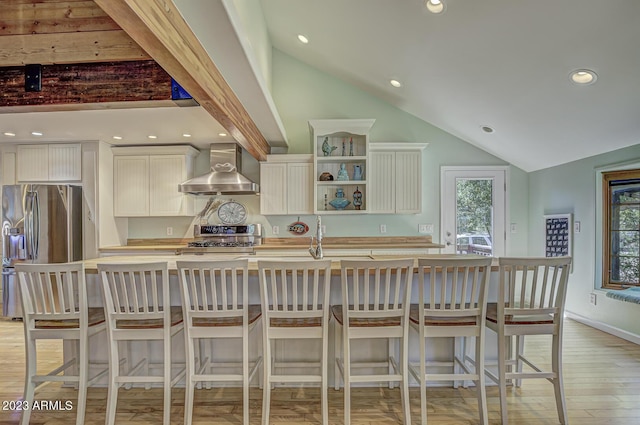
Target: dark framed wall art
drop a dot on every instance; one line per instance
(558, 235)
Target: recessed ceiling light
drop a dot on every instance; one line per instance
(186, 135)
(10, 134)
(583, 77)
(435, 6)
(395, 83)
(487, 129)
(117, 137)
(151, 136)
(36, 133)
(303, 39)
(222, 134)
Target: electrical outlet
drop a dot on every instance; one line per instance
(425, 228)
(592, 298)
(514, 228)
(323, 229)
(275, 230)
(383, 228)
(169, 231)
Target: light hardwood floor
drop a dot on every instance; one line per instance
(602, 385)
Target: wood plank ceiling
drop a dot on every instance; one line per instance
(112, 53)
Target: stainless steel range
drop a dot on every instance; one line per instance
(224, 238)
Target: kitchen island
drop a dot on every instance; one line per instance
(437, 349)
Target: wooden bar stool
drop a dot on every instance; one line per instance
(295, 306)
(375, 304)
(138, 308)
(531, 298)
(215, 304)
(54, 305)
(452, 302)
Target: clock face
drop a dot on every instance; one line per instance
(232, 212)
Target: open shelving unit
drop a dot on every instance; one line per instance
(350, 139)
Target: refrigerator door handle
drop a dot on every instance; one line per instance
(35, 222)
(28, 231)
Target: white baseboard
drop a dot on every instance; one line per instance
(620, 333)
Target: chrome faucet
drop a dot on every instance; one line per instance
(316, 252)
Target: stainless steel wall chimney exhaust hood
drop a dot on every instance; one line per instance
(225, 177)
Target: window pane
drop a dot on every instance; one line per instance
(474, 213)
(624, 227)
(624, 270)
(625, 243)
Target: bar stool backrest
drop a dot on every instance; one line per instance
(295, 289)
(213, 289)
(53, 292)
(376, 288)
(136, 292)
(533, 286)
(454, 287)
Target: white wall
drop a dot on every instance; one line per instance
(302, 93)
(571, 188)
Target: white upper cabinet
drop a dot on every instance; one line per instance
(147, 185)
(286, 185)
(49, 163)
(131, 186)
(341, 165)
(396, 178)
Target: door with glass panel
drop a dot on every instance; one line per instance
(473, 210)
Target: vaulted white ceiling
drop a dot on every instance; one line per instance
(498, 63)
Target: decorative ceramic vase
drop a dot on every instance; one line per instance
(342, 173)
(324, 177)
(340, 202)
(327, 148)
(357, 172)
(357, 198)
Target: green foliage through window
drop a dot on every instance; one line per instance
(621, 205)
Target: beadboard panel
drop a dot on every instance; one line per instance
(273, 196)
(164, 171)
(300, 195)
(408, 182)
(65, 162)
(131, 200)
(382, 177)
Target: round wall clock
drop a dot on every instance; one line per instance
(232, 212)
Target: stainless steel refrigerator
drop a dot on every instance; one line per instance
(40, 224)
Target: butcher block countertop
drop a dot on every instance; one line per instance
(279, 244)
(91, 265)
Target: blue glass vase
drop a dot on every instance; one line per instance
(339, 202)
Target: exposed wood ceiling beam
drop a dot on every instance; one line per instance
(160, 30)
(57, 31)
(110, 85)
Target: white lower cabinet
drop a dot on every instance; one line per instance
(396, 178)
(286, 185)
(147, 185)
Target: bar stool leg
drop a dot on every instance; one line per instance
(29, 385)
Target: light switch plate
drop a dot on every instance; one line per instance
(576, 226)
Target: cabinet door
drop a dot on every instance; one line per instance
(32, 163)
(65, 162)
(273, 188)
(131, 186)
(300, 188)
(166, 172)
(382, 170)
(8, 168)
(408, 182)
